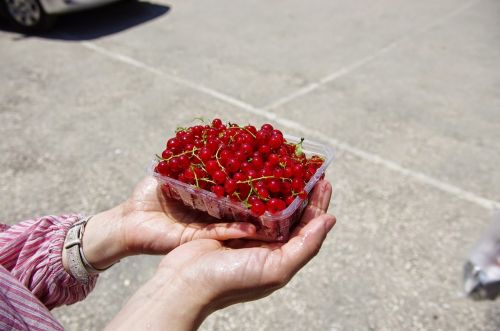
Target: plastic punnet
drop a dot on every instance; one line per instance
(270, 227)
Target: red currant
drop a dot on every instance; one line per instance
(219, 177)
(267, 127)
(274, 185)
(218, 190)
(275, 205)
(217, 123)
(258, 208)
(163, 168)
(230, 186)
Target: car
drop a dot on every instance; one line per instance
(39, 15)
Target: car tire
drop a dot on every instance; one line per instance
(27, 15)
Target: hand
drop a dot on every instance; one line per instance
(202, 276)
(151, 224)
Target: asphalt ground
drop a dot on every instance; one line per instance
(406, 92)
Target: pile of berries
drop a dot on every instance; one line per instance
(256, 167)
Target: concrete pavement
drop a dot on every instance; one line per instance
(407, 92)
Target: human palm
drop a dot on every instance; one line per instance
(154, 224)
(242, 270)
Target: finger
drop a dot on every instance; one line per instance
(318, 204)
(304, 245)
(223, 231)
(244, 243)
(320, 200)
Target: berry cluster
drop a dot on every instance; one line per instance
(256, 167)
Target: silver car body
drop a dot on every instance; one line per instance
(65, 6)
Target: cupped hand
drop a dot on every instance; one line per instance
(149, 223)
(204, 275)
(154, 224)
(227, 273)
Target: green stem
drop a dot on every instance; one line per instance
(177, 155)
(243, 128)
(217, 159)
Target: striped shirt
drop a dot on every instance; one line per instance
(32, 277)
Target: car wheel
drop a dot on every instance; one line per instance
(28, 15)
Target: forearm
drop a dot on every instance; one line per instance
(161, 304)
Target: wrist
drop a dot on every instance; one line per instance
(102, 241)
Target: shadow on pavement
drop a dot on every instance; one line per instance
(98, 22)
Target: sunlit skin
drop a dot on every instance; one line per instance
(204, 275)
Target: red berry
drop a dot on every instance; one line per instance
(224, 156)
(184, 162)
(263, 193)
(217, 123)
(298, 170)
(289, 199)
(278, 173)
(189, 176)
(198, 143)
(275, 142)
(244, 190)
(173, 144)
(174, 164)
(187, 139)
(233, 165)
(219, 177)
(258, 208)
(288, 172)
(239, 177)
(247, 149)
(257, 162)
(274, 185)
(303, 195)
(251, 129)
(252, 174)
(277, 132)
(286, 188)
(166, 154)
(259, 183)
(218, 190)
(308, 175)
(205, 154)
(246, 167)
(212, 166)
(230, 186)
(213, 144)
(163, 168)
(252, 199)
(273, 159)
(197, 130)
(265, 150)
(297, 184)
(275, 205)
(262, 137)
(267, 127)
(240, 156)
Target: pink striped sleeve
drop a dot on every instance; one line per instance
(20, 310)
(32, 252)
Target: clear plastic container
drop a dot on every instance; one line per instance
(270, 227)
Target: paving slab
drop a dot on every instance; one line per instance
(79, 129)
(258, 51)
(429, 104)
